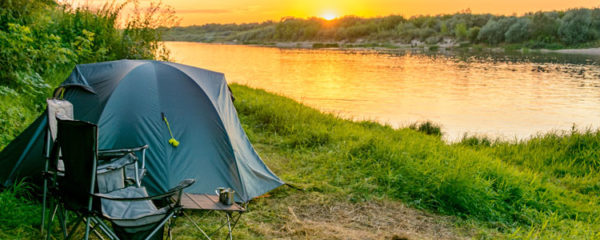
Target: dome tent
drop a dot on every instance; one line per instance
(127, 100)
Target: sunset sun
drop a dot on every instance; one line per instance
(328, 16)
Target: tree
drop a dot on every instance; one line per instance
(575, 27)
(473, 32)
(544, 26)
(493, 31)
(460, 31)
(407, 31)
(444, 29)
(519, 31)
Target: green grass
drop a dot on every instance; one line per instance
(511, 187)
(546, 187)
(18, 214)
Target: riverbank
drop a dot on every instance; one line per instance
(363, 180)
(450, 46)
(585, 51)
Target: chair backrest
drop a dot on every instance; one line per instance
(79, 146)
(57, 108)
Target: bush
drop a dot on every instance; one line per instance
(427, 127)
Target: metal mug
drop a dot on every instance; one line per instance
(219, 190)
(228, 196)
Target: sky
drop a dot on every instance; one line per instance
(198, 12)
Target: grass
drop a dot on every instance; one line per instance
(545, 187)
(542, 188)
(19, 214)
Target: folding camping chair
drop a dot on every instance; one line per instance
(130, 210)
(63, 109)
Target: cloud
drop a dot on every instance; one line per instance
(208, 11)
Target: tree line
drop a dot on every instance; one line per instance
(551, 29)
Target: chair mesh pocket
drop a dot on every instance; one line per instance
(110, 180)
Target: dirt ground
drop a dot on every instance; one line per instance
(313, 218)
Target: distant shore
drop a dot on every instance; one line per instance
(417, 46)
(585, 51)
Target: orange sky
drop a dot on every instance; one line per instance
(240, 11)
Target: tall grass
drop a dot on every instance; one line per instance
(490, 185)
(571, 159)
(41, 41)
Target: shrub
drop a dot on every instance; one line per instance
(427, 127)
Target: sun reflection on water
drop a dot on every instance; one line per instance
(495, 96)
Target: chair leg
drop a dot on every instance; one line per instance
(62, 219)
(98, 235)
(50, 218)
(87, 228)
(73, 226)
(104, 228)
(44, 207)
(95, 231)
(162, 223)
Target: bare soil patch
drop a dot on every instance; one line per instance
(312, 216)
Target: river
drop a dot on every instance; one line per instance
(507, 96)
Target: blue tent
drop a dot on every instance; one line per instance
(127, 99)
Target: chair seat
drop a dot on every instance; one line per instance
(131, 213)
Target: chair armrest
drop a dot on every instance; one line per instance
(108, 197)
(116, 163)
(183, 184)
(117, 152)
(173, 191)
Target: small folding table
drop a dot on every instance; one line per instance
(207, 202)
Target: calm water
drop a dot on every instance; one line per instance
(507, 96)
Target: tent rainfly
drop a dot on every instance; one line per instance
(127, 99)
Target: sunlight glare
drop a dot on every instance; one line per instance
(328, 16)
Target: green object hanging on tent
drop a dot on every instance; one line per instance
(172, 141)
